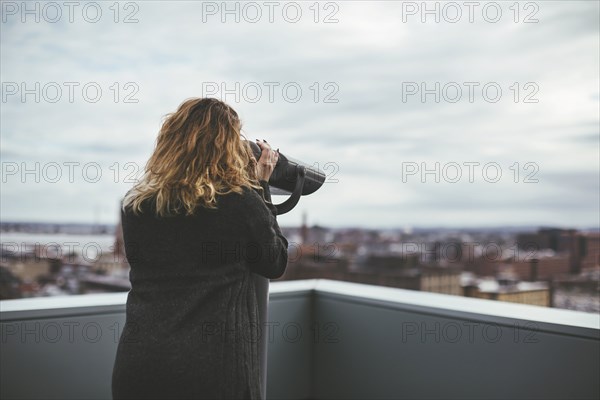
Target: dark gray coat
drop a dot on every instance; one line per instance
(192, 322)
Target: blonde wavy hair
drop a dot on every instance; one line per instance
(199, 154)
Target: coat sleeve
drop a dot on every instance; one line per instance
(266, 247)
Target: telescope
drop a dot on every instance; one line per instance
(291, 177)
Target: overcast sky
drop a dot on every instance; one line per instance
(361, 68)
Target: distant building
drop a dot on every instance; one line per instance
(93, 283)
(544, 268)
(591, 257)
(570, 243)
(550, 254)
(398, 272)
(510, 290)
(30, 269)
(441, 280)
(9, 284)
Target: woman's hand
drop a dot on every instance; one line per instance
(267, 162)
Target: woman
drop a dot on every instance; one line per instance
(200, 234)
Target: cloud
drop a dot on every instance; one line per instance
(363, 62)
